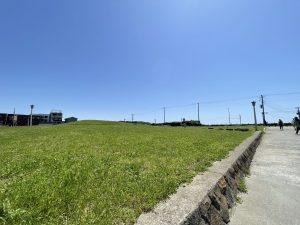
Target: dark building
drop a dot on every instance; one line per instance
(23, 120)
(43, 118)
(55, 117)
(3, 118)
(13, 119)
(71, 119)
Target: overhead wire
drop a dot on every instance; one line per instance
(255, 97)
(282, 94)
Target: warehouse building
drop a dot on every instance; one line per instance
(55, 117)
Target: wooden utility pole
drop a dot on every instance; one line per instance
(263, 110)
(298, 112)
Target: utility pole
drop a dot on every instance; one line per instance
(132, 115)
(154, 121)
(198, 113)
(240, 119)
(298, 112)
(31, 108)
(229, 116)
(164, 114)
(255, 121)
(263, 110)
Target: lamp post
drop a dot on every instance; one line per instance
(255, 121)
(14, 118)
(31, 108)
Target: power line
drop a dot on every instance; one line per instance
(278, 110)
(180, 106)
(279, 94)
(148, 112)
(278, 115)
(277, 107)
(222, 101)
(212, 102)
(229, 100)
(282, 112)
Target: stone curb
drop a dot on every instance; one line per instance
(207, 200)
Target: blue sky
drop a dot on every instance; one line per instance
(108, 59)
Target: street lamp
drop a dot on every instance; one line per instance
(255, 121)
(31, 108)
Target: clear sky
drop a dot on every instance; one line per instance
(108, 59)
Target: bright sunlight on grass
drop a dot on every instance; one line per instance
(97, 172)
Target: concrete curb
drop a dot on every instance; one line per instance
(208, 199)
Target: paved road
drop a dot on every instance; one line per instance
(273, 196)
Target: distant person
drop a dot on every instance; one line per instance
(280, 123)
(296, 124)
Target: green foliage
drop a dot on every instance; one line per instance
(238, 200)
(99, 172)
(242, 186)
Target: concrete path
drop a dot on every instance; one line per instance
(273, 196)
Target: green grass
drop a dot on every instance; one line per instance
(100, 172)
(242, 187)
(238, 200)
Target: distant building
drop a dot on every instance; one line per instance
(14, 119)
(23, 120)
(3, 118)
(55, 116)
(71, 119)
(43, 118)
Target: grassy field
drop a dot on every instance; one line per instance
(100, 172)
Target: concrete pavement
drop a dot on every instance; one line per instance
(273, 196)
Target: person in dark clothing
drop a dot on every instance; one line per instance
(280, 123)
(296, 124)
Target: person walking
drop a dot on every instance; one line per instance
(280, 123)
(296, 124)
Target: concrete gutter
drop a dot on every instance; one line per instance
(208, 199)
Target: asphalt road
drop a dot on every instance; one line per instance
(273, 196)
